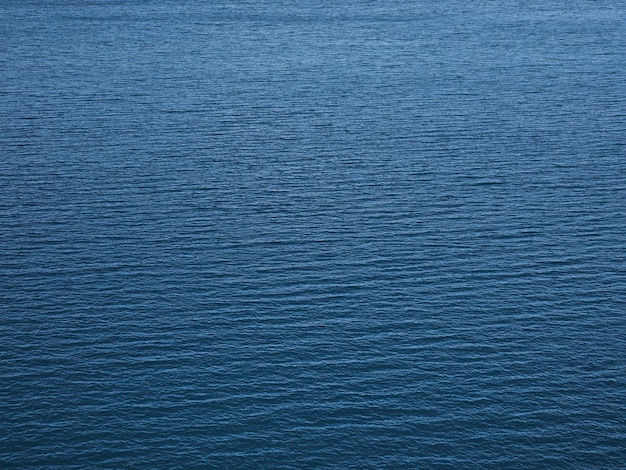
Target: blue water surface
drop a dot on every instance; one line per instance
(312, 234)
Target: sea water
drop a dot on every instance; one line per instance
(312, 234)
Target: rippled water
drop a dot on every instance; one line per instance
(312, 234)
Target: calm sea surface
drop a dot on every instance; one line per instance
(312, 234)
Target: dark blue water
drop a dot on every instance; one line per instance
(312, 234)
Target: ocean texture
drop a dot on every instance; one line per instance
(312, 234)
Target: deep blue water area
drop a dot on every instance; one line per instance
(312, 234)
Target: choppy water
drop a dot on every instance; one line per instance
(312, 234)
